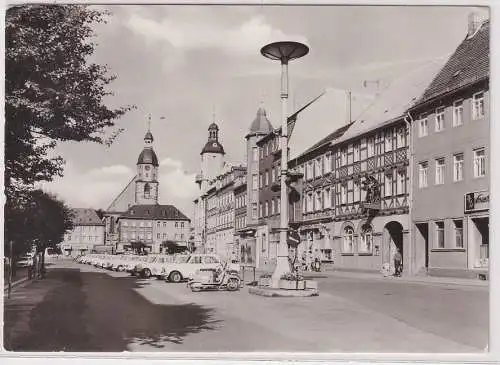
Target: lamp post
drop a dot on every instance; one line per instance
(284, 52)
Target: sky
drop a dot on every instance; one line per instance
(195, 64)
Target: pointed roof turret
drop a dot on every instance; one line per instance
(261, 125)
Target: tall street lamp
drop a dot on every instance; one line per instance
(284, 52)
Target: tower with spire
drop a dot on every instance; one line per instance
(146, 184)
(212, 157)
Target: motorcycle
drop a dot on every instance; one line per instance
(215, 279)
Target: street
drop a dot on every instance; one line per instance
(81, 308)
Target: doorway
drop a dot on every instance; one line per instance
(481, 238)
(422, 245)
(394, 241)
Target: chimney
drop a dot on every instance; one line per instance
(473, 24)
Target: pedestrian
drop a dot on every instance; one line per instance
(397, 263)
(35, 266)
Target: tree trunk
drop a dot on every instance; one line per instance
(42, 266)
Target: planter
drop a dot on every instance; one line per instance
(292, 285)
(264, 281)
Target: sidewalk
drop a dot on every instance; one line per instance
(378, 276)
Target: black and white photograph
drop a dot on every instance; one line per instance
(247, 178)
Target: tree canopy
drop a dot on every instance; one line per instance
(53, 92)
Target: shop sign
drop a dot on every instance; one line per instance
(477, 201)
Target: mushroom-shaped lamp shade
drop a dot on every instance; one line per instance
(284, 51)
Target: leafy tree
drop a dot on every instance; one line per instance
(53, 92)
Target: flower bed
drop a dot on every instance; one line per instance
(293, 285)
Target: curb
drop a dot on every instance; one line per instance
(15, 284)
(282, 293)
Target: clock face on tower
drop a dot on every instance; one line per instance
(214, 144)
(147, 168)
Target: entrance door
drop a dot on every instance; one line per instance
(481, 240)
(395, 237)
(422, 243)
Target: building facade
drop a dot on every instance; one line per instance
(240, 214)
(211, 165)
(152, 227)
(86, 235)
(451, 133)
(133, 215)
(221, 213)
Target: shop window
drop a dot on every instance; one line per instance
(366, 242)
(348, 240)
(459, 233)
(440, 234)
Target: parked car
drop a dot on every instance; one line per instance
(25, 260)
(186, 267)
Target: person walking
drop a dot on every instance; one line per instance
(397, 263)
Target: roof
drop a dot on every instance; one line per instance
(148, 156)
(469, 63)
(85, 217)
(261, 124)
(329, 138)
(149, 135)
(154, 211)
(213, 147)
(213, 126)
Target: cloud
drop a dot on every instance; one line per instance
(194, 34)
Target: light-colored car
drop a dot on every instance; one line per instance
(184, 268)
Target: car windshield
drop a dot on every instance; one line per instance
(181, 259)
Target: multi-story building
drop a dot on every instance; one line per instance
(87, 233)
(212, 163)
(240, 213)
(152, 228)
(220, 213)
(131, 215)
(451, 131)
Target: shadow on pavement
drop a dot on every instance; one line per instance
(92, 311)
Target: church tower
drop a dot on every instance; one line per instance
(146, 184)
(212, 157)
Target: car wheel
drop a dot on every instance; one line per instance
(119, 268)
(175, 277)
(146, 273)
(233, 284)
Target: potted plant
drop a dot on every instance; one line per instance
(292, 281)
(265, 279)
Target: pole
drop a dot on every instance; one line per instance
(282, 265)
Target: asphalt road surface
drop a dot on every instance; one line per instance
(80, 308)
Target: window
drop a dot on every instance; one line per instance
(266, 178)
(328, 163)
(343, 157)
(164, 224)
(147, 190)
(343, 194)
(261, 152)
(440, 166)
(310, 204)
(439, 119)
(260, 181)
(366, 242)
(310, 171)
(266, 209)
(356, 156)
(279, 205)
(459, 233)
(255, 154)
(255, 185)
(327, 198)
(478, 105)
(401, 183)
(388, 140)
(261, 209)
(158, 236)
(356, 191)
(273, 175)
(273, 206)
(254, 211)
(440, 234)
(304, 204)
(370, 145)
(125, 223)
(318, 200)
(479, 162)
(458, 167)
(388, 185)
(318, 167)
(423, 128)
(176, 224)
(348, 240)
(401, 138)
(149, 236)
(458, 113)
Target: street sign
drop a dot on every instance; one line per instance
(293, 238)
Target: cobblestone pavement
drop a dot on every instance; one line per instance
(80, 308)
